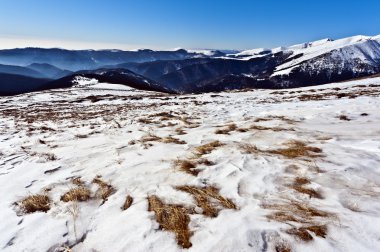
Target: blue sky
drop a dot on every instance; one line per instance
(167, 24)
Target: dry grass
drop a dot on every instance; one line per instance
(127, 203)
(145, 121)
(35, 203)
(283, 247)
(227, 129)
(276, 129)
(154, 138)
(304, 233)
(209, 199)
(187, 166)
(80, 193)
(77, 181)
(190, 166)
(150, 138)
(180, 131)
(207, 148)
(172, 218)
(298, 149)
(300, 181)
(295, 149)
(300, 213)
(205, 162)
(311, 192)
(263, 119)
(105, 190)
(170, 139)
(295, 212)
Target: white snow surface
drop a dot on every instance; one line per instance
(252, 52)
(80, 81)
(90, 138)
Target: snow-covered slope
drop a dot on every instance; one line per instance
(366, 49)
(288, 170)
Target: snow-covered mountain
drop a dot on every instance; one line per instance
(188, 71)
(317, 62)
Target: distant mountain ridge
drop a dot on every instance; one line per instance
(312, 63)
(75, 60)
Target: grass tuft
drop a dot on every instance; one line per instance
(304, 233)
(172, 218)
(180, 131)
(297, 149)
(128, 202)
(208, 148)
(35, 203)
(187, 166)
(172, 140)
(209, 199)
(80, 193)
(105, 190)
(227, 129)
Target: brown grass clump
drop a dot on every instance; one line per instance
(276, 129)
(242, 130)
(180, 131)
(154, 138)
(205, 162)
(297, 149)
(208, 148)
(311, 192)
(105, 190)
(35, 203)
(209, 199)
(172, 218)
(227, 129)
(282, 248)
(190, 166)
(304, 233)
(145, 121)
(128, 202)
(295, 212)
(80, 193)
(299, 181)
(172, 140)
(77, 181)
(150, 138)
(187, 166)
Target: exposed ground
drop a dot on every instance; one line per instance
(95, 169)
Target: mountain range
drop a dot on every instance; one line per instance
(192, 71)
